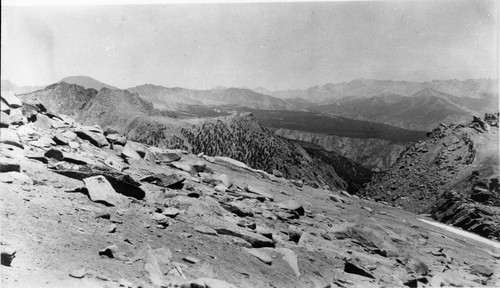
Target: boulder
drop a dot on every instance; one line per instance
(7, 255)
(110, 251)
(297, 183)
(277, 173)
(96, 139)
(226, 180)
(100, 190)
(167, 157)
(129, 152)
(43, 122)
(116, 139)
(55, 154)
(292, 205)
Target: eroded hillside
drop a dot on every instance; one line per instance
(453, 174)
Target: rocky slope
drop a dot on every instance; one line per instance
(451, 174)
(239, 137)
(372, 153)
(83, 208)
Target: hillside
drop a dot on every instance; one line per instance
(78, 213)
(453, 174)
(87, 82)
(179, 98)
(422, 110)
(62, 98)
(239, 137)
(373, 153)
(113, 108)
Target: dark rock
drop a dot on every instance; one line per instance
(191, 259)
(9, 165)
(110, 251)
(199, 167)
(54, 154)
(7, 255)
(354, 268)
(173, 181)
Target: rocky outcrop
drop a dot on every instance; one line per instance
(453, 174)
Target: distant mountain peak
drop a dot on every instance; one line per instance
(87, 82)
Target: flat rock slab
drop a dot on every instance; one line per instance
(122, 183)
(260, 254)
(129, 152)
(10, 137)
(256, 240)
(291, 259)
(167, 157)
(100, 190)
(173, 181)
(259, 191)
(12, 100)
(94, 138)
(205, 230)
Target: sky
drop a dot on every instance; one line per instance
(273, 45)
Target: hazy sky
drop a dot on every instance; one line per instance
(274, 45)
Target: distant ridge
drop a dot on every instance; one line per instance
(87, 82)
